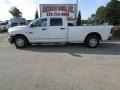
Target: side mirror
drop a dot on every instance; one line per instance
(31, 25)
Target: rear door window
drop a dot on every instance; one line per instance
(56, 22)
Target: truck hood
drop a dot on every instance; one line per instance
(16, 28)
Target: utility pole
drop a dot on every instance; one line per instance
(77, 6)
(77, 9)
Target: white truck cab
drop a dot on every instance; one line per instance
(56, 30)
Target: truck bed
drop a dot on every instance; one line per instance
(78, 33)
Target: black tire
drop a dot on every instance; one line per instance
(92, 41)
(24, 41)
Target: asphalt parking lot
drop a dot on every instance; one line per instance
(59, 67)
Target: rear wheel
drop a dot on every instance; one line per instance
(92, 41)
(20, 41)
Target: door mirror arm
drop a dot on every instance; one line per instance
(31, 25)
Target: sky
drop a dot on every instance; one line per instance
(28, 7)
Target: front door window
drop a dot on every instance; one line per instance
(40, 23)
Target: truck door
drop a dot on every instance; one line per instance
(39, 31)
(57, 31)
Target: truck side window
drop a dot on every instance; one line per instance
(41, 23)
(56, 22)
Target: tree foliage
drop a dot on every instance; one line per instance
(100, 15)
(15, 12)
(79, 19)
(108, 13)
(36, 14)
(112, 10)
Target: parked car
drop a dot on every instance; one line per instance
(56, 30)
(3, 26)
(105, 24)
(17, 21)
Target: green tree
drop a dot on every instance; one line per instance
(36, 14)
(112, 10)
(15, 12)
(79, 19)
(100, 15)
(93, 17)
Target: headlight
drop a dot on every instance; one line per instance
(9, 34)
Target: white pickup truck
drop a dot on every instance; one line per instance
(56, 30)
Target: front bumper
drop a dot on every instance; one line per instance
(10, 39)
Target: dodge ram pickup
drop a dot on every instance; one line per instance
(56, 30)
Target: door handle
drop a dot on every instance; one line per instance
(62, 28)
(30, 32)
(44, 29)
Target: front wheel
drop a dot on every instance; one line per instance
(92, 41)
(20, 42)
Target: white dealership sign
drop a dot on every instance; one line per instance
(68, 10)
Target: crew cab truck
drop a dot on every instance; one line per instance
(56, 30)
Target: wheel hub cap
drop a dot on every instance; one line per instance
(93, 42)
(20, 42)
